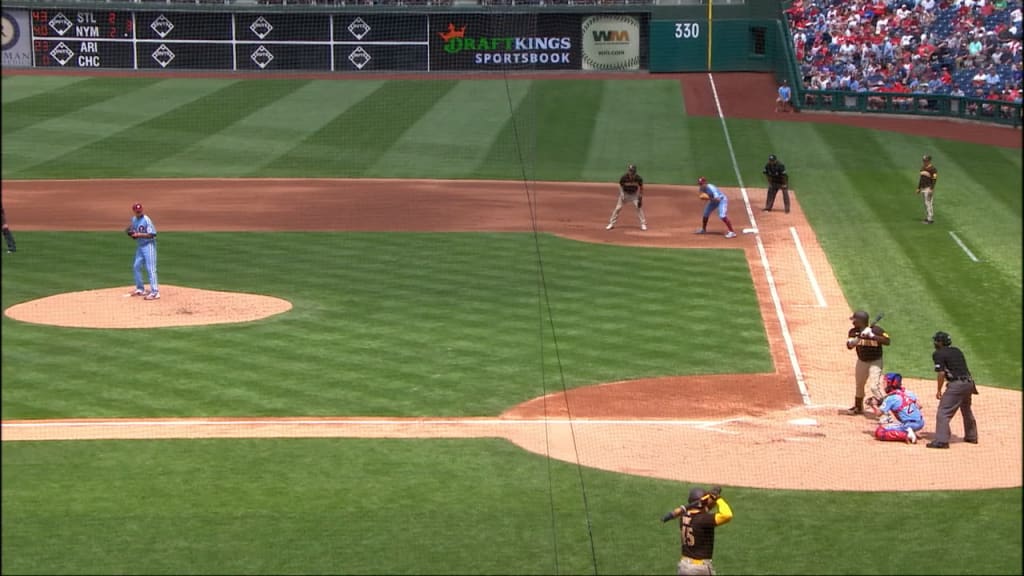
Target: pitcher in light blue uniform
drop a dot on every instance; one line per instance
(144, 233)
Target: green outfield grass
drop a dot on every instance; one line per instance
(459, 324)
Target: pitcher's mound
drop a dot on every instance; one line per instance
(117, 308)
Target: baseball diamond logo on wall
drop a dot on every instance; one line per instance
(162, 26)
(261, 56)
(60, 23)
(261, 28)
(359, 28)
(61, 53)
(611, 43)
(163, 55)
(359, 57)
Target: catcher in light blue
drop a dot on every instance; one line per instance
(144, 232)
(901, 415)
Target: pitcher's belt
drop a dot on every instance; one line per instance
(697, 561)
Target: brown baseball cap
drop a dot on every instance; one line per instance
(859, 314)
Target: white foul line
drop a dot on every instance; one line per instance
(807, 268)
(963, 247)
(786, 336)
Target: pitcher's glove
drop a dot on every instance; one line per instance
(129, 231)
(704, 196)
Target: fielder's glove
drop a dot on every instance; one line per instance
(704, 196)
(129, 231)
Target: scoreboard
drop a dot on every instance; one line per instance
(218, 39)
(229, 41)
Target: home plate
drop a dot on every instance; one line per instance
(804, 422)
(750, 230)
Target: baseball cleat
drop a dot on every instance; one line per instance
(730, 235)
(700, 231)
(153, 296)
(937, 445)
(854, 411)
(138, 293)
(643, 227)
(911, 437)
(609, 227)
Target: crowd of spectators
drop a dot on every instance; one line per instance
(950, 47)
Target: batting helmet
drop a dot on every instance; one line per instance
(926, 158)
(893, 381)
(702, 181)
(942, 338)
(631, 168)
(696, 495)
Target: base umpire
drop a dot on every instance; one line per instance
(775, 172)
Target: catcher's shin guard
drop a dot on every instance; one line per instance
(889, 435)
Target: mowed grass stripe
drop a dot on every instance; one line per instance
(460, 128)
(385, 324)
(623, 133)
(36, 139)
(541, 141)
(74, 101)
(267, 133)
(16, 88)
(173, 131)
(348, 145)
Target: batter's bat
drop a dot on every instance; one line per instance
(878, 318)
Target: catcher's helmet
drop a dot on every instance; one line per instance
(696, 495)
(631, 168)
(893, 381)
(702, 181)
(942, 338)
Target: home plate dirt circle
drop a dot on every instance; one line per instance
(116, 308)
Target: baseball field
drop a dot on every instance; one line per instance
(469, 374)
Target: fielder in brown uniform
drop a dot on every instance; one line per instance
(631, 190)
(926, 187)
(868, 341)
(8, 235)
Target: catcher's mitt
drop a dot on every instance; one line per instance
(129, 231)
(704, 196)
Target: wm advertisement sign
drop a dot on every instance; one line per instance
(611, 42)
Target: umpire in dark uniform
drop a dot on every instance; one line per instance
(951, 370)
(775, 172)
